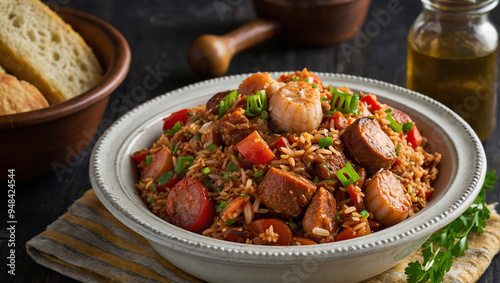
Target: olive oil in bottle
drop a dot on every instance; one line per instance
(452, 57)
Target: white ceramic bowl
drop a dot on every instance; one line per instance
(462, 171)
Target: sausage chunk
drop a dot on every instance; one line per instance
(285, 193)
(213, 103)
(386, 198)
(369, 145)
(236, 126)
(331, 164)
(320, 214)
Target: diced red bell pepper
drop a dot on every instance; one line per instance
(414, 137)
(339, 121)
(346, 234)
(428, 194)
(372, 102)
(179, 116)
(140, 155)
(278, 142)
(353, 194)
(255, 149)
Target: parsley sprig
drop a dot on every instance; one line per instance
(451, 241)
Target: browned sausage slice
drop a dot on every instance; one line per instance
(213, 103)
(369, 145)
(386, 198)
(320, 216)
(331, 164)
(236, 126)
(285, 193)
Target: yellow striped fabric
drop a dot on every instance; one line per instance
(91, 245)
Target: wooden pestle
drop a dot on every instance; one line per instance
(210, 55)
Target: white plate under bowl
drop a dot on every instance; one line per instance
(462, 171)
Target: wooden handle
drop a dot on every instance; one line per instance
(210, 55)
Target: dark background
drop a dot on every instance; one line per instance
(159, 34)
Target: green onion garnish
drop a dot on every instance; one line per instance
(243, 195)
(398, 147)
(220, 206)
(183, 163)
(231, 167)
(314, 85)
(226, 176)
(149, 158)
(258, 175)
(347, 175)
(233, 178)
(325, 142)
(296, 78)
(175, 148)
(205, 170)
(315, 179)
(306, 80)
(230, 222)
(211, 147)
(393, 123)
(264, 114)
(220, 188)
(324, 99)
(154, 187)
(177, 127)
(151, 199)
(293, 226)
(344, 102)
(165, 177)
(207, 182)
(364, 214)
(196, 137)
(256, 103)
(408, 126)
(227, 102)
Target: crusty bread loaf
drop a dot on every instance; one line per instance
(19, 96)
(36, 45)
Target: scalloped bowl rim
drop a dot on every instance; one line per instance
(462, 190)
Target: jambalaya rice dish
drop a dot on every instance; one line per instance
(287, 161)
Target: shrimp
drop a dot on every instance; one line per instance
(386, 198)
(260, 81)
(296, 107)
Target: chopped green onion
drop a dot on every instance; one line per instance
(233, 178)
(388, 110)
(364, 214)
(260, 120)
(165, 177)
(231, 167)
(264, 114)
(331, 89)
(256, 103)
(325, 142)
(324, 99)
(293, 226)
(258, 175)
(398, 147)
(314, 85)
(154, 187)
(351, 177)
(408, 126)
(230, 222)
(243, 195)
(177, 127)
(211, 147)
(315, 179)
(327, 167)
(329, 112)
(196, 137)
(220, 188)
(205, 170)
(347, 103)
(409, 190)
(183, 163)
(220, 206)
(149, 158)
(175, 148)
(226, 176)
(296, 78)
(151, 199)
(393, 123)
(207, 182)
(227, 102)
(306, 80)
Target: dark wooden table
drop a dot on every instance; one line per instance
(160, 33)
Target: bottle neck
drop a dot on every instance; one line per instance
(457, 12)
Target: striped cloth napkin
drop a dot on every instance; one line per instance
(89, 244)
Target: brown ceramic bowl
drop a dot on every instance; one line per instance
(315, 22)
(46, 140)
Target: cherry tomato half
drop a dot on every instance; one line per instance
(189, 206)
(279, 227)
(179, 116)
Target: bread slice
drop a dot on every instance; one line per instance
(19, 96)
(36, 45)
